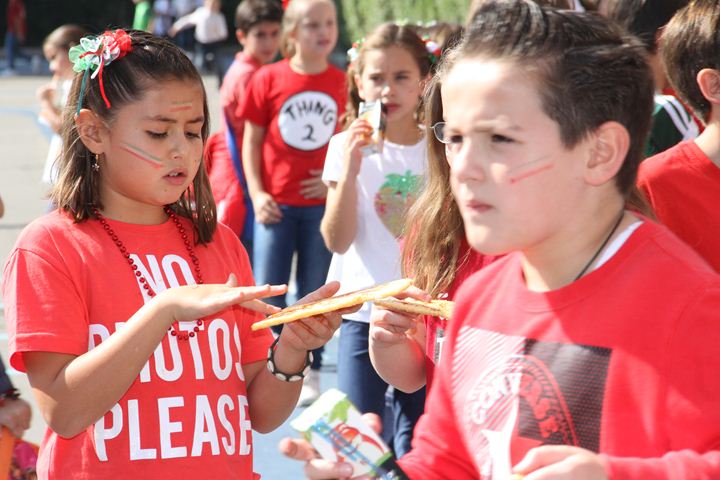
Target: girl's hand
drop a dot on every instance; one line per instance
(315, 467)
(561, 462)
(313, 187)
(358, 136)
(15, 414)
(266, 209)
(389, 328)
(313, 332)
(191, 302)
(46, 93)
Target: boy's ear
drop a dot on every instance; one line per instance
(708, 79)
(609, 146)
(358, 84)
(240, 37)
(90, 129)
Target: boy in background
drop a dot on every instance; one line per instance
(258, 24)
(683, 184)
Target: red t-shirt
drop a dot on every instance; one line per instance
(435, 327)
(623, 362)
(233, 89)
(683, 188)
(67, 288)
(300, 114)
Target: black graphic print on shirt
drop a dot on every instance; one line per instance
(528, 393)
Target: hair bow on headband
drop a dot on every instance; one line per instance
(354, 52)
(434, 50)
(94, 53)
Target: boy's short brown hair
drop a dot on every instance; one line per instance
(689, 44)
(588, 70)
(253, 12)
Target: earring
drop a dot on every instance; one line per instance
(95, 165)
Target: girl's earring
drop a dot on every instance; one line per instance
(95, 165)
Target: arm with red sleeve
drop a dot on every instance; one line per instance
(692, 413)
(438, 448)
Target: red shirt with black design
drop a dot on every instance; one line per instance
(683, 187)
(67, 289)
(300, 114)
(623, 362)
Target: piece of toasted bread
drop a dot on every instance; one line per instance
(346, 300)
(412, 306)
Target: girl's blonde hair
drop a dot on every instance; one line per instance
(65, 36)
(291, 19)
(434, 226)
(385, 36)
(152, 60)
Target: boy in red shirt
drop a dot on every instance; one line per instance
(683, 184)
(257, 25)
(589, 351)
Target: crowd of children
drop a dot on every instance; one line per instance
(510, 177)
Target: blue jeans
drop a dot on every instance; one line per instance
(369, 393)
(12, 49)
(273, 249)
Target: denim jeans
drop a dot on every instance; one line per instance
(367, 391)
(273, 249)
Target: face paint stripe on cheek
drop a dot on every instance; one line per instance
(524, 173)
(142, 155)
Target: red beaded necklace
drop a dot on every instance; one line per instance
(175, 328)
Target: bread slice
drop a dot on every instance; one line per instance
(412, 306)
(339, 302)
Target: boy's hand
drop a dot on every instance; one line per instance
(358, 136)
(313, 187)
(561, 462)
(391, 328)
(191, 302)
(315, 467)
(266, 209)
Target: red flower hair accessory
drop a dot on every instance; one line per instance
(94, 53)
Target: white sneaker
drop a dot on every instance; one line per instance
(310, 389)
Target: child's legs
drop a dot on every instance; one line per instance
(273, 248)
(356, 375)
(10, 49)
(313, 259)
(407, 409)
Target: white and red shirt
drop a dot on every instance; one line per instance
(622, 362)
(300, 114)
(67, 288)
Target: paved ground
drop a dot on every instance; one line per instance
(23, 148)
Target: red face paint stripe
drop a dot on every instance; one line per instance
(138, 153)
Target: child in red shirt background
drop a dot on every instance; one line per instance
(683, 184)
(258, 31)
(291, 109)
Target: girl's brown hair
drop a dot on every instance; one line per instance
(153, 60)
(385, 36)
(434, 226)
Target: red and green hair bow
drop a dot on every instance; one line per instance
(96, 52)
